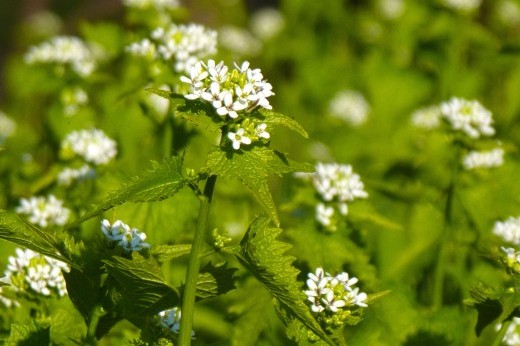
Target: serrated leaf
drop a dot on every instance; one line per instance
(161, 182)
(214, 280)
(164, 253)
(194, 111)
(273, 118)
(16, 230)
(252, 168)
(265, 258)
(142, 284)
(28, 335)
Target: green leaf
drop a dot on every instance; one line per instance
(67, 328)
(196, 112)
(28, 335)
(142, 284)
(273, 118)
(164, 253)
(265, 258)
(487, 302)
(252, 168)
(77, 284)
(214, 280)
(161, 182)
(16, 230)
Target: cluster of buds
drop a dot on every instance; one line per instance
(119, 233)
(334, 299)
(233, 94)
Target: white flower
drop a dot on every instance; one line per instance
(469, 117)
(508, 12)
(266, 23)
(330, 294)
(171, 320)
(7, 126)
(349, 106)
(261, 131)
(44, 211)
(427, 118)
(68, 175)
(30, 271)
(93, 145)
(156, 4)
(130, 239)
(511, 337)
(483, 159)
(72, 99)
(144, 48)
(324, 214)
(336, 181)
(238, 138)
(509, 230)
(8, 303)
(391, 9)
(64, 50)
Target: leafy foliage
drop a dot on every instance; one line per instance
(161, 182)
(265, 258)
(252, 168)
(31, 334)
(214, 280)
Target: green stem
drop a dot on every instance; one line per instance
(188, 296)
(501, 333)
(440, 269)
(96, 314)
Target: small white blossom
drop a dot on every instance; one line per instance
(483, 159)
(72, 99)
(238, 138)
(427, 118)
(7, 127)
(261, 131)
(93, 145)
(130, 239)
(44, 211)
(338, 182)
(266, 23)
(171, 320)
(68, 175)
(324, 214)
(7, 302)
(349, 106)
(331, 294)
(155, 4)
(469, 117)
(31, 272)
(509, 230)
(65, 50)
(144, 48)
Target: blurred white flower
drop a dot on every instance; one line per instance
(266, 23)
(65, 50)
(511, 337)
(508, 12)
(156, 4)
(68, 175)
(427, 118)
(350, 106)
(483, 159)
(238, 40)
(92, 145)
(72, 99)
(44, 211)
(509, 230)
(463, 5)
(7, 127)
(338, 182)
(391, 9)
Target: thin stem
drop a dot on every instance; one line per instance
(188, 296)
(501, 333)
(97, 313)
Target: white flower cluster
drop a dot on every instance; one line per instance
(156, 4)
(64, 50)
(171, 320)
(509, 230)
(336, 185)
(93, 145)
(44, 211)
(184, 44)
(469, 117)
(238, 40)
(483, 159)
(349, 106)
(427, 118)
(130, 239)
(30, 271)
(7, 127)
(68, 175)
(232, 94)
(334, 295)
(463, 5)
(511, 337)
